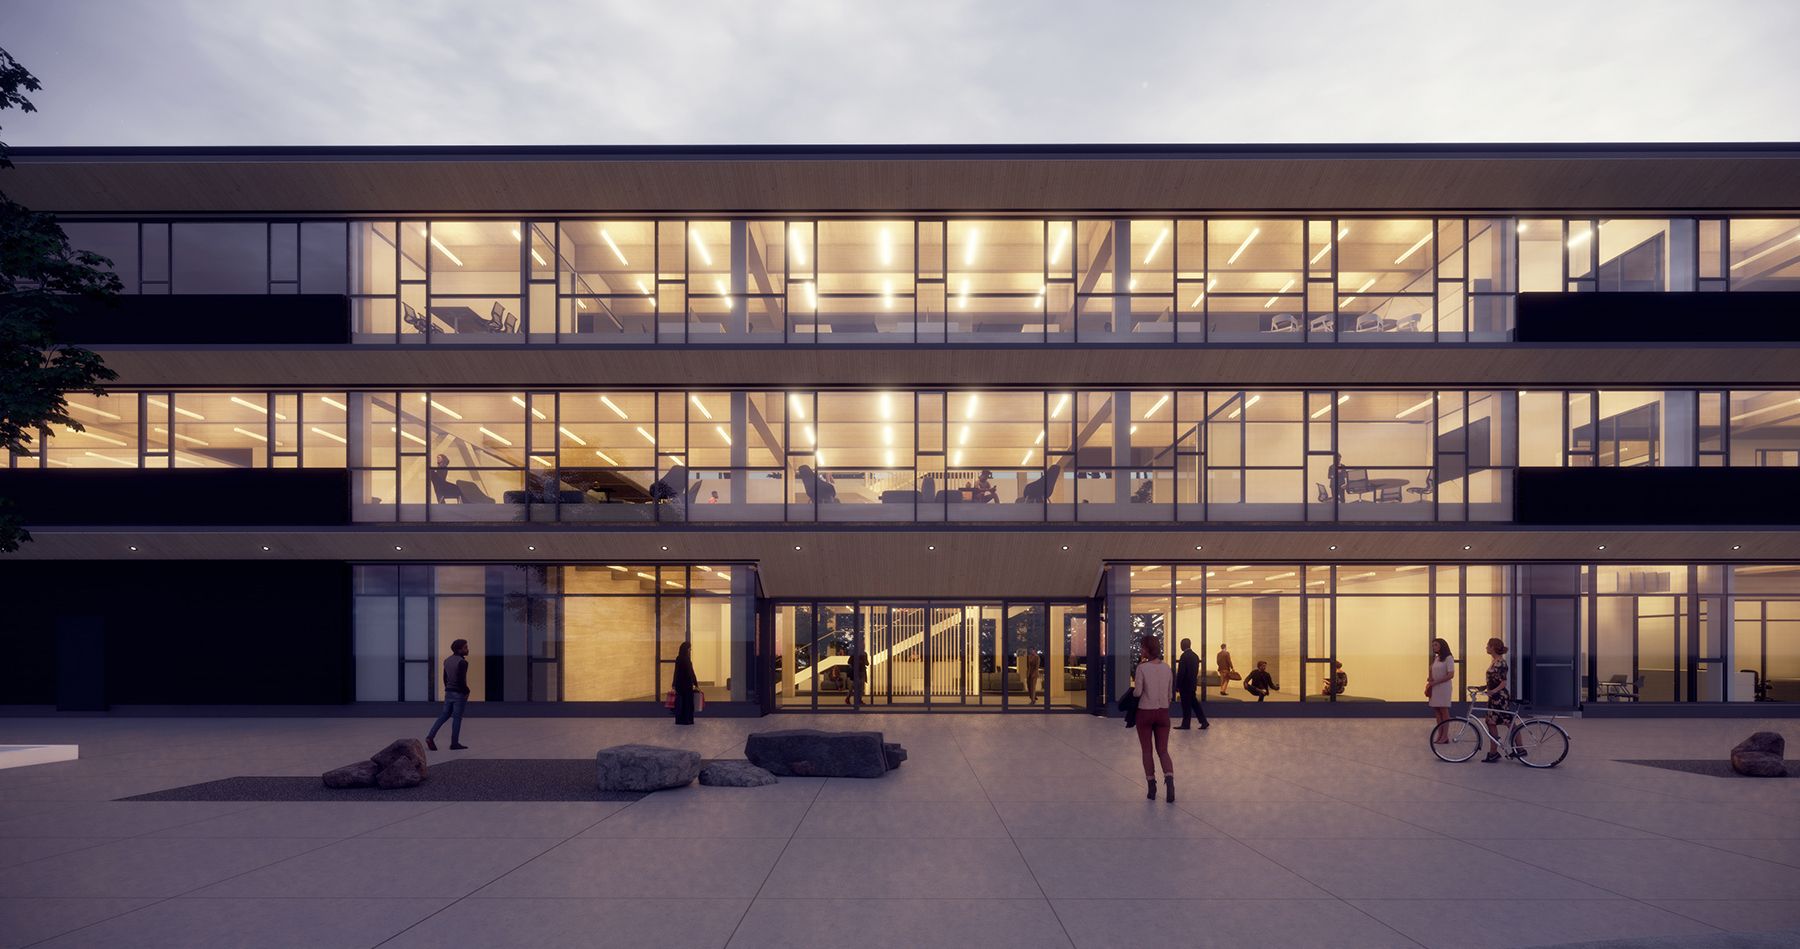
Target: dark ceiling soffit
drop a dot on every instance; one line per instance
(289, 153)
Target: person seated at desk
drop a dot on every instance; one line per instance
(1258, 682)
(985, 491)
(1338, 681)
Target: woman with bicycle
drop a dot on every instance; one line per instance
(1499, 694)
(1437, 685)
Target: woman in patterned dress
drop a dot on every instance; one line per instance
(1499, 693)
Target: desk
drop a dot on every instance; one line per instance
(461, 319)
(1377, 486)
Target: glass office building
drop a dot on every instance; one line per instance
(988, 415)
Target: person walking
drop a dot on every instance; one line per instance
(1154, 686)
(1030, 664)
(859, 674)
(456, 696)
(1499, 694)
(1187, 682)
(1222, 665)
(1437, 686)
(684, 684)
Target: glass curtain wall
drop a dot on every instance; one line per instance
(1015, 655)
(1580, 633)
(549, 633)
(1000, 280)
(635, 456)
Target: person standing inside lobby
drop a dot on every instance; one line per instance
(456, 696)
(684, 684)
(1222, 665)
(1187, 683)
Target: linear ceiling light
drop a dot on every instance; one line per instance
(1027, 457)
(1359, 290)
(97, 436)
(534, 253)
(1059, 406)
(116, 461)
(1240, 410)
(647, 436)
(702, 248)
(1772, 249)
(181, 411)
(253, 405)
(696, 400)
(440, 246)
(328, 400)
(1240, 251)
(1061, 242)
(799, 409)
(1159, 404)
(436, 405)
(615, 248)
(609, 404)
(493, 436)
(333, 436)
(794, 241)
(186, 438)
(1341, 400)
(1584, 235)
(1327, 248)
(1778, 405)
(1284, 289)
(1202, 296)
(1040, 438)
(407, 435)
(88, 408)
(887, 250)
(521, 404)
(1413, 249)
(573, 437)
(241, 431)
(721, 430)
(969, 255)
(608, 459)
(1416, 407)
(1158, 245)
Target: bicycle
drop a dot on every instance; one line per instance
(1536, 742)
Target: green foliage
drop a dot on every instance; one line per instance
(39, 274)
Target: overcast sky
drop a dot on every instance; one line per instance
(321, 72)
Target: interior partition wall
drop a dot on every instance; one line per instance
(555, 633)
(1001, 655)
(1577, 633)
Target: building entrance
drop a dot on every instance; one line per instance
(1004, 655)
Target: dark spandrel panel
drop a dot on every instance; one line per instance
(179, 496)
(1653, 496)
(220, 257)
(1658, 317)
(323, 265)
(313, 318)
(117, 241)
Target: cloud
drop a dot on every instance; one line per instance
(339, 72)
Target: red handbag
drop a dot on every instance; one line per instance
(699, 700)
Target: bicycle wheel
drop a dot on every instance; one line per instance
(1539, 743)
(1461, 739)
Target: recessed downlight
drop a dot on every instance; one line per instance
(1199, 547)
(1601, 547)
(529, 547)
(930, 547)
(1065, 547)
(1332, 547)
(133, 548)
(396, 546)
(796, 546)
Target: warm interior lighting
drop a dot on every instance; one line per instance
(887, 434)
(1284, 289)
(181, 411)
(1027, 458)
(1366, 285)
(963, 301)
(1246, 243)
(608, 459)
(573, 437)
(644, 289)
(890, 459)
(808, 430)
(956, 460)
(1415, 408)
(1778, 405)
(328, 400)
(1202, 296)
(88, 408)
(190, 438)
(812, 295)
(1240, 410)
(242, 431)
(696, 400)
(615, 248)
(521, 404)
(964, 440)
(799, 411)
(886, 409)
(1341, 400)
(1584, 235)
(1060, 406)
(647, 435)
(1758, 256)
(1232, 570)
(116, 461)
(794, 241)
(99, 437)
(1061, 242)
(969, 255)
(498, 438)
(1242, 583)
(609, 404)
(974, 400)
(721, 430)
(1158, 245)
(1279, 576)
(1040, 438)
(887, 250)
(453, 258)
(436, 405)
(1327, 248)
(543, 461)
(252, 405)
(1404, 569)
(334, 437)
(407, 435)
(1413, 249)
(1133, 430)
(887, 293)
(645, 575)
(534, 253)
(701, 247)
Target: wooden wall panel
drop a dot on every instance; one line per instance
(1499, 366)
(967, 563)
(1569, 179)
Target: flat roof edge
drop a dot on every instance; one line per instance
(1041, 152)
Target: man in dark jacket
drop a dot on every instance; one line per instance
(456, 696)
(1187, 682)
(1259, 683)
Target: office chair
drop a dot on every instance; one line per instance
(1430, 485)
(1324, 495)
(1038, 492)
(1284, 323)
(412, 318)
(818, 490)
(670, 486)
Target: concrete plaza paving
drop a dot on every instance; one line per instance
(999, 831)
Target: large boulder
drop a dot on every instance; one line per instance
(402, 764)
(811, 753)
(359, 775)
(735, 774)
(646, 767)
(1760, 756)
